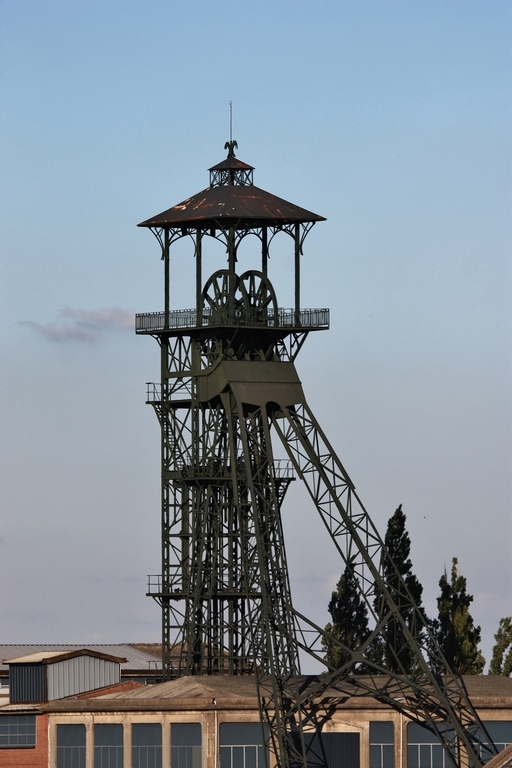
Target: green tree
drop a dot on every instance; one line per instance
(393, 647)
(503, 638)
(349, 620)
(456, 633)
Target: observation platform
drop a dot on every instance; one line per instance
(186, 319)
(175, 589)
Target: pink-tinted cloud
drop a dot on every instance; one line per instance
(84, 325)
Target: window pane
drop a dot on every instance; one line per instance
(108, 735)
(425, 756)
(382, 733)
(186, 745)
(71, 757)
(146, 745)
(417, 734)
(186, 757)
(71, 746)
(382, 746)
(437, 756)
(71, 736)
(175, 757)
(412, 756)
(108, 745)
(196, 758)
(186, 734)
(147, 734)
(238, 757)
(240, 733)
(250, 757)
(17, 730)
(108, 757)
(499, 731)
(388, 754)
(375, 756)
(241, 745)
(225, 757)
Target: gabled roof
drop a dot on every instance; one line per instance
(138, 659)
(51, 657)
(34, 658)
(238, 205)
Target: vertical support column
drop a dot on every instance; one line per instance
(264, 250)
(166, 742)
(297, 274)
(185, 537)
(127, 742)
(231, 267)
(89, 742)
(166, 449)
(167, 280)
(199, 279)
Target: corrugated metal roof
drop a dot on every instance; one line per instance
(232, 204)
(479, 686)
(136, 659)
(192, 686)
(54, 656)
(34, 658)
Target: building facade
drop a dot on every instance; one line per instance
(205, 722)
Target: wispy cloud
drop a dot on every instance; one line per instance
(84, 325)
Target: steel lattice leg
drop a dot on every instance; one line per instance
(422, 696)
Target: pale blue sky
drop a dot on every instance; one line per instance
(390, 118)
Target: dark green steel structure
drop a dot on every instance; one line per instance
(228, 392)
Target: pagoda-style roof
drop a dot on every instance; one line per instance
(231, 162)
(231, 200)
(236, 205)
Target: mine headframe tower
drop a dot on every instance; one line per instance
(228, 392)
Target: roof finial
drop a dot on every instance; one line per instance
(230, 145)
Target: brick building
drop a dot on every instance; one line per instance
(213, 722)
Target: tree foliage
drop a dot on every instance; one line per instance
(456, 633)
(349, 620)
(393, 651)
(501, 662)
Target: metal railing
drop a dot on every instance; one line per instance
(212, 468)
(187, 318)
(177, 584)
(153, 392)
(283, 469)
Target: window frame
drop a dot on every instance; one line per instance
(196, 753)
(421, 748)
(135, 748)
(255, 742)
(376, 742)
(98, 758)
(11, 716)
(82, 754)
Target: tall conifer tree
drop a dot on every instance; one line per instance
(393, 650)
(501, 662)
(349, 620)
(456, 633)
